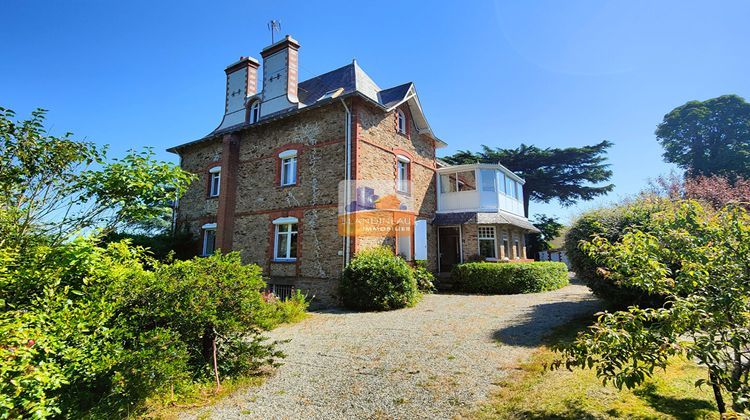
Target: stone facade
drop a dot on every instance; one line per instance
(378, 145)
(516, 242)
(251, 196)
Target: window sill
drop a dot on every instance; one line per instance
(284, 260)
(212, 197)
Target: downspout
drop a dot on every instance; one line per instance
(347, 179)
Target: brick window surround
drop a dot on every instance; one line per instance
(407, 121)
(283, 151)
(401, 155)
(212, 168)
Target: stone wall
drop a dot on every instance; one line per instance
(470, 241)
(378, 145)
(318, 137)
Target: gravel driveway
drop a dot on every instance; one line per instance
(431, 361)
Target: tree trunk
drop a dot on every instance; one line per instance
(526, 198)
(717, 394)
(216, 366)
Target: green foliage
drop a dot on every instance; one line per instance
(285, 311)
(89, 328)
(425, 278)
(50, 190)
(509, 278)
(610, 223)
(560, 174)
(377, 279)
(102, 333)
(550, 229)
(709, 137)
(698, 259)
(180, 245)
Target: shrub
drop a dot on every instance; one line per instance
(290, 310)
(510, 278)
(376, 279)
(610, 223)
(425, 279)
(98, 333)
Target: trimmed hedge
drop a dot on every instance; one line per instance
(610, 223)
(377, 279)
(509, 278)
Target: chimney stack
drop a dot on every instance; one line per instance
(242, 82)
(280, 76)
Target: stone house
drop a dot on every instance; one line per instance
(299, 176)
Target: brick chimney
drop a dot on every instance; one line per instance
(242, 81)
(280, 76)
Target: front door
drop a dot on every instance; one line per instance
(449, 247)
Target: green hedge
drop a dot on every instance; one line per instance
(377, 279)
(610, 223)
(509, 278)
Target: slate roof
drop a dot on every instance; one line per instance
(481, 218)
(350, 77)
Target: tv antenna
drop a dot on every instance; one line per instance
(274, 26)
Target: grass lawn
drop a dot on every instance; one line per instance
(533, 392)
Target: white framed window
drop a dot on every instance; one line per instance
(402, 183)
(401, 121)
(214, 182)
(403, 243)
(254, 112)
(209, 239)
(288, 167)
(285, 239)
(487, 241)
(459, 181)
(488, 180)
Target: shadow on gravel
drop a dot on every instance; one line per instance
(532, 327)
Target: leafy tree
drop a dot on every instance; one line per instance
(711, 137)
(53, 186)
(550, 229)
(699, 259)
(550, 173)
(715, 190)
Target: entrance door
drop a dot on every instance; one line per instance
(449, 243)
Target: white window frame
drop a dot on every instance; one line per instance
(208, 227)
(254, 112)
(402, 179)
(404, 245)
(291, 233)
(288, 163)
(400, 121)
(485, 237)
(214, 181)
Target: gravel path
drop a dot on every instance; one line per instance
(431, 361)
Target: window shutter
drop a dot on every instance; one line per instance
(420, 240)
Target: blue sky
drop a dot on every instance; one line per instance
(550, 73)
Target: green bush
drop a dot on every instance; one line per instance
(425, 279)
(509, 278)
(610, 223)
(289, 310)
(377, 279)
(98, 333)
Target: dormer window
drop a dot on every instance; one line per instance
(214, 181)
(288, 167)
(254, 114)
(401, 121)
